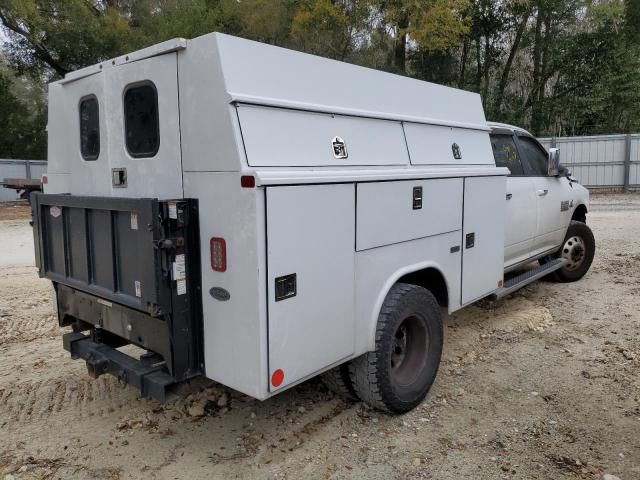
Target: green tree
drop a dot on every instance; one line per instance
(330, 28)
(22, 117)
(553, 66)
(63, 35)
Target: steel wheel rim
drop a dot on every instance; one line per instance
(409, 350)
(574, 252)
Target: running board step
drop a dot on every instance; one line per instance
(530, 276)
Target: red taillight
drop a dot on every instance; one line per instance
(218, 254)
(247, 181)
(45, 179)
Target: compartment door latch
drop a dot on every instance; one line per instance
(470, 240)
(417, 198)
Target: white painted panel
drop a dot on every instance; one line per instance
(235, 330)
(385, 212)
(85, 177)
(551, 221)
(310, 232)
(277, 137)
(484, 217)
(378, 269)
(286, 77)
(432, 145)
(159, 176)
(520, 219)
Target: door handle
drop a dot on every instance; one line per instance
(542, 193)
(509, 195)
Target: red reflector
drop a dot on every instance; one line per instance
(45, 179)
(218, 254)
(247, 181)
(277, 378)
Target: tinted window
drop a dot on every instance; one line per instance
(536, 155)
(506, 154)
(89, 128)
(142, 130)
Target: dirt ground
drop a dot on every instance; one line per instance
(543, 385)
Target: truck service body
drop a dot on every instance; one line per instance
(250, 213)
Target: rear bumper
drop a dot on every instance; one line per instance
(145, 374)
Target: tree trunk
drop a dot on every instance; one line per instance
(487, 67)
(478, 64)
(544, 73)
(504, 78)
(537, 77)
(463, 62)
(400, 50)
(39, 50)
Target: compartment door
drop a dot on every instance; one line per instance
(310, 259)
(144, 127)
(277, 137)
(482, 236)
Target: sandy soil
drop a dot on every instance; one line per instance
(542, 385)
(15, 210)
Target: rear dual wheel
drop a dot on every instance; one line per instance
(397, 375)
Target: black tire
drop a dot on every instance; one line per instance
(397, 375)
(578, 243)
(339, 382)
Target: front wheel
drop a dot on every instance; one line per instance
(577, 251)
(397, 375)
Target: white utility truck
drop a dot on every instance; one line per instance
(259, 216)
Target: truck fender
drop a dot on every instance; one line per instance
(398, 275)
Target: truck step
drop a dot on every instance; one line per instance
(527, 277)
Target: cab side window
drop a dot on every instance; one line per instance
(505, 153)
(537, 157)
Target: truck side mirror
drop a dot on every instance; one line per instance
(554, 162)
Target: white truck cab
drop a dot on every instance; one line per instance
(540, 204)
(260, 216)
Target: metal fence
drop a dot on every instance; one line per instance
(603, 161)
(19, 169)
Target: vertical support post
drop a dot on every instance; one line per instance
(27, 164)
(553, 142)
(627, 161)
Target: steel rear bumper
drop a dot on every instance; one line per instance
(144, 374)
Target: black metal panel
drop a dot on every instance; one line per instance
(101, 249)
(78, 259)
(131, 325)
(112, 263)
(128, 254)
(91, 243)
(54, 229)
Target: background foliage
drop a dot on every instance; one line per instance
(556, 67)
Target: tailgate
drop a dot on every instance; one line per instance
(124, 250)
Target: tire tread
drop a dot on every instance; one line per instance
(365, 370)
(339, 382)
